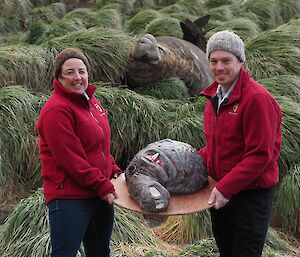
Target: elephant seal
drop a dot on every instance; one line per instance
(194, 32)
(163, 168)
(152, 59)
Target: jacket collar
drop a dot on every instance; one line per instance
(59, 89)
(236, 92)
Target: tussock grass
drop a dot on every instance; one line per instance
(244, 27)
(106, 18)
(275, 52)
(162, 3)
(174, 8)
(193, 7)
(110, 18)
(185, 229)
(87, 15)
(124, 6)
(289, 9)
(26, 226)
(35, 32)
(14, 6)
(10, 24)
(46, 14)
(185, 122)
(25, 65)
(130, 227)
(41, 2)
(211, 4)
(287, 203)
(284, 85)
(140, 5)
(135, 120)
(11, 39)
(218, 15)
(19, 149)
(267, 12)
(60, 27)
(290, 150)
(107, 50)
(275, 242)
(137, 24)
(203, 248)
(164, 26)
(184, 9)
(182, 16)
(168, 88)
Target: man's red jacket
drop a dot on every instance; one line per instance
(243, 141)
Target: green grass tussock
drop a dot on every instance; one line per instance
(107, 50)
(287, 204)
(47, 14)
(137, 24)
(268, 12)
(164, 26)
(60, 27)
(25, 65)
(14, 6)
(284, 85)
(275, 52)
(244, 27)
(168, 88)
(20, 168)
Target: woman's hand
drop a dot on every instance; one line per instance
(110, 197)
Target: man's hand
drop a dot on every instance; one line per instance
(110, 197)
(217, 199)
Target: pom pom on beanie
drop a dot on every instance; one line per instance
(228, 41)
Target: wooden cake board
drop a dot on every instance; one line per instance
(178, 205)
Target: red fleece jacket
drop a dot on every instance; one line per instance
(74, 146)
(243, 141)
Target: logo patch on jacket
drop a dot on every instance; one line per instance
(98, 107)
(234, 110)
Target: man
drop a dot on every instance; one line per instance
(242, 125)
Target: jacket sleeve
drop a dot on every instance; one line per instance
(70, 157)
(262, 134)
(115, 168)
(203, 153)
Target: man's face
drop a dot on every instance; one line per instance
(225, 67)
(74, 75)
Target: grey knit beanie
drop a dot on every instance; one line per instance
(67, 54)
(228, 41)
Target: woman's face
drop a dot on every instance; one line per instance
(74, 76)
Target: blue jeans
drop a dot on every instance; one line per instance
(84, 220)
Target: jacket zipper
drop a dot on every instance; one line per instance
(214, 149)
(87, 100)
(92, 115)
(90, 111)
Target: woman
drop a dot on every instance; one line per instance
(76, 161)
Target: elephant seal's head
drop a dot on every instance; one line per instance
(163, 168)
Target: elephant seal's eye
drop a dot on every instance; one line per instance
(131, 169)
